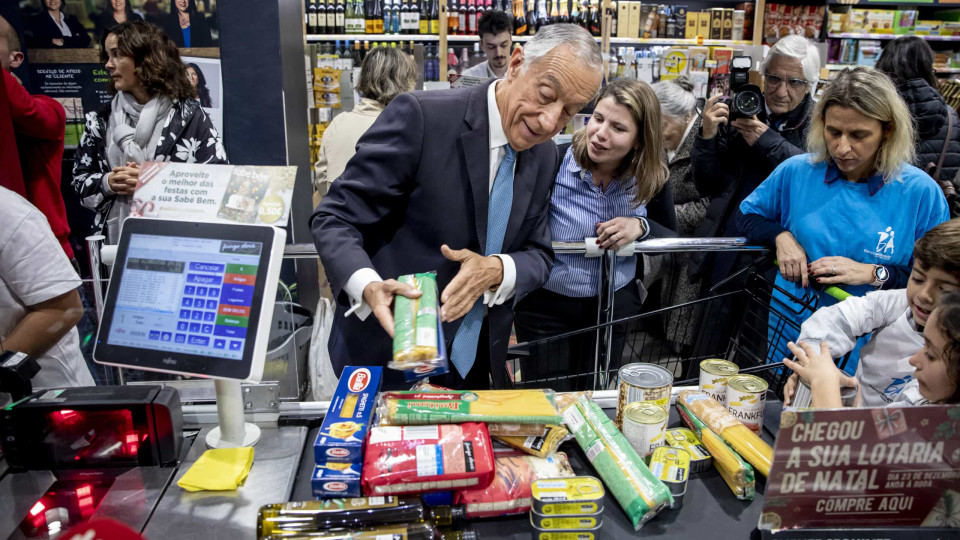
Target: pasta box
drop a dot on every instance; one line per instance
(336, 480)
(347, 421)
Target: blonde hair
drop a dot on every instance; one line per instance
(645, 165)
(385, 73)
(871, 93)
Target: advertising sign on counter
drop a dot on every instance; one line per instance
(865, 468)
(231, 193)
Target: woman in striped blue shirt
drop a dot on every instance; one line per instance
(614, 167)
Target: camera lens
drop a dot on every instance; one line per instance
(748, 102)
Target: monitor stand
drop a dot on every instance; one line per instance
(233, 431)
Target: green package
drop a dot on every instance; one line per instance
(426, 334)
(404, 320)
(641, 494)
(454, 407)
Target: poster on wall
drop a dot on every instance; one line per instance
(79, 24)
(79, 88)
(204, 75)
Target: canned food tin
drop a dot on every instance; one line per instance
(574, 496)
(643, 382)
(643, 426)
(713, 377)
(746, 397)
(672, 467)
(700, 459)
(540, 534)
(586, 523)
(802, 396)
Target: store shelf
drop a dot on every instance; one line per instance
(895, 3)
(939, 70)
(430, 37)
(890, 36)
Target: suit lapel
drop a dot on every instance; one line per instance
(475, 146)
(524, 178)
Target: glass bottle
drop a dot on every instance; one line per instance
(434, 18)
(414, 16)
(324, 17)
(312, 17)
(477, 57)
(595, 19)
(464, 60)
(377, 16)
(425, 17)
(462, 28)
(519, 21)
(453, 19)
(554, 12)
(452, 62)
(613, 18)
(340, 15)
(584, 19)
(564, 12)
(472, 18)
(531, 18)
(410, 531)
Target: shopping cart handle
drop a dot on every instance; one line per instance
(836, 292)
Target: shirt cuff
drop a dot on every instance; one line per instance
(354, 289)
(105, 184)
(646, 228)
(507, 288)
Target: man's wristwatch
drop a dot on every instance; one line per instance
(880, 276)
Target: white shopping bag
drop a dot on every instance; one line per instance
(323, 381)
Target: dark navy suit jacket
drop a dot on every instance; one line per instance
(420, 179)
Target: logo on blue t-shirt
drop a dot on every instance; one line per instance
(885, 244)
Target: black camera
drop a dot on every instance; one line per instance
(747, 98)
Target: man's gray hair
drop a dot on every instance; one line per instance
(798, 47)
(583, 45)
(676, 97)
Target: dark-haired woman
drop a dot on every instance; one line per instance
(186, 26)
(199, 82)
(909, 62)
(54, 29)
(153, 117)
(114, 12)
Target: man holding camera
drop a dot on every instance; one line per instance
(733, 153)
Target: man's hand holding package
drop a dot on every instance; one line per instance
(477, 275)
(379, 296)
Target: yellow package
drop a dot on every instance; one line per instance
(744, 441)
(504, 406)
(496, 429)
(539, 446)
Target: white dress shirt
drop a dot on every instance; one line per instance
(62, 25)
(498, 139)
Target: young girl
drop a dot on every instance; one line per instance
(937, 364)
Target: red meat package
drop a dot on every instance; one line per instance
(415, 459)
(509, 493)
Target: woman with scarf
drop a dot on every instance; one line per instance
(154, 116)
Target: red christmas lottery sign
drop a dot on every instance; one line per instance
(890, 467)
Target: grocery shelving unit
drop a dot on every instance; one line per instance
(890, 36)
(318, 38)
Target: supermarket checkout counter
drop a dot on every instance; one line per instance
(147, 499)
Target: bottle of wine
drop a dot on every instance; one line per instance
(452, 62)
(326, 17)
(409, 531)
(453, 19)
(463, 18)
(554, 12)
(312, 17)
(595, 19)
(477, 57)
(414, 18)
(564, 12)
(434, 18)
(584, 19)
(542, 19)
(377, 16)
(425, 17)
(613, 18)
(395, 15)
(349, 17)
(340, 18)
(464, 60)
(519, 21)
(472, 18)
(404, 17)
(531, 18)
(357, 53)
(488, 6)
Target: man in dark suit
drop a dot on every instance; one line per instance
(458, 182)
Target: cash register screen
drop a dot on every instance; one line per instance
(187, 298)
(189, 295)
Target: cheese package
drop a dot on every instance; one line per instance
(504, 406)
(414, 459)
(418, 344)
(351, 409)
(539, 445)
(746, 443)
(737, 473)
(509, 493)
(639, 492)
(335, 480)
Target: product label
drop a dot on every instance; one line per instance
(534, 443)
(429, 460)
(563, 509)
(573, 419)
(416, 433)
(569, 523)
(595, 451)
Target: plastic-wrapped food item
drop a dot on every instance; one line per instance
(495, 428)
(737, 473)
(540, 445)
(509, 493)
(746, 443)
(450, 407)
(415, 459)
(639, 492)
(417, 336)
(566, 399)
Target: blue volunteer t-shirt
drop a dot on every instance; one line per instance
(869, 222)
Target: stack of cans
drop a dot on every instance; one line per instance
(672, 466)
(566, 508)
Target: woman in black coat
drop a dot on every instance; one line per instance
(113, 13)
(908, 61)
(54, 29)
(186, 26)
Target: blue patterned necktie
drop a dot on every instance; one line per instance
(463, 353)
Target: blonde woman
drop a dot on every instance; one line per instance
(849, 212)
(384, 74)
(613, 169)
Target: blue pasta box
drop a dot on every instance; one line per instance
(347, 421)
(333, 480)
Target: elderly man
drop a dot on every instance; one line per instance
(458, 182)
(731, 158)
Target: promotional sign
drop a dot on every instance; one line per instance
(850, 468)
(231, 193)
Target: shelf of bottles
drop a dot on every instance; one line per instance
(890, 36)
(467, 39)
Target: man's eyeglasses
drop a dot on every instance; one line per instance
(774, 81)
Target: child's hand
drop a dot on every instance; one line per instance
(818, 369)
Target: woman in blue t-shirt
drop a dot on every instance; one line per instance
(848, 212)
